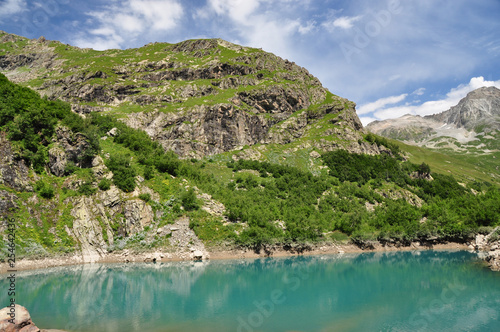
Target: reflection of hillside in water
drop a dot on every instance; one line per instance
(328, 289)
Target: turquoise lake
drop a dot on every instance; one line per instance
(397, 291)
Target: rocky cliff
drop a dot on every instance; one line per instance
(197, 98)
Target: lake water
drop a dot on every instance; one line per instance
(397, 291)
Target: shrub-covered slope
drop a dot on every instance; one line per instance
(128, 190)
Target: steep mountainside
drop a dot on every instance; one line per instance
(470, 129)
(266, 158)
(197, 98)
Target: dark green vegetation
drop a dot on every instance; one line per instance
(30, 123)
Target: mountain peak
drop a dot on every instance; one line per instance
(480, 107)
(472, 126)
(197, 97)
(484, 92)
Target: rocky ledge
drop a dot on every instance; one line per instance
(490, 244)
(18, 319)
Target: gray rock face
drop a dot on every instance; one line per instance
(13, 171)
(479, 107)
(69, 147)
(137, 215)
(87, 229)
(7, 203)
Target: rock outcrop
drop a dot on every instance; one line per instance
(87, 229)
(68, 147)
(13, 170)
(20, 323)
(490, 245)
(7, 203)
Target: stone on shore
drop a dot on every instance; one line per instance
(22, 321)
(198, 254)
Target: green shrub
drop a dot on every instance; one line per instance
(189, 200)
(145, 197)
(87, 189)
(45, 190)
(149, 172)
(123, 174)
(30, 122)
(104, 184)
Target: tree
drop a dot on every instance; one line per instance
(424, 169)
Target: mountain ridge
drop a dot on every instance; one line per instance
(197, 97)
(475, 118)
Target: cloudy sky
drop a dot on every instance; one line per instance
(391, 57)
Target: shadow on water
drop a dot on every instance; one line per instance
(396, 291)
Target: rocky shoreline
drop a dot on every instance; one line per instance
(490, 245)
(128, 256)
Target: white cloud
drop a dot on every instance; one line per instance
(344, 22)
(308, 28)
(382, 102)
(100, 43)
(430, 107)
(366, 120)
(418, 92)
(237, 10)
(256, 23)
(123, 22)
(11, 7)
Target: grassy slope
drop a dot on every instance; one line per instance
(464, 168)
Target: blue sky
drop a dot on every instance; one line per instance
(391, 57)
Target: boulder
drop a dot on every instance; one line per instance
(197, 254)
(22, 320)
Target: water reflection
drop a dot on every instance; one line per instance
(396, 291)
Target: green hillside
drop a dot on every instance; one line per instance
(266, 204)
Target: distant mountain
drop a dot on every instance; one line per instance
(475, 119)
(478, 111)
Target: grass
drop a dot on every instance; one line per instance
(463, 169)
